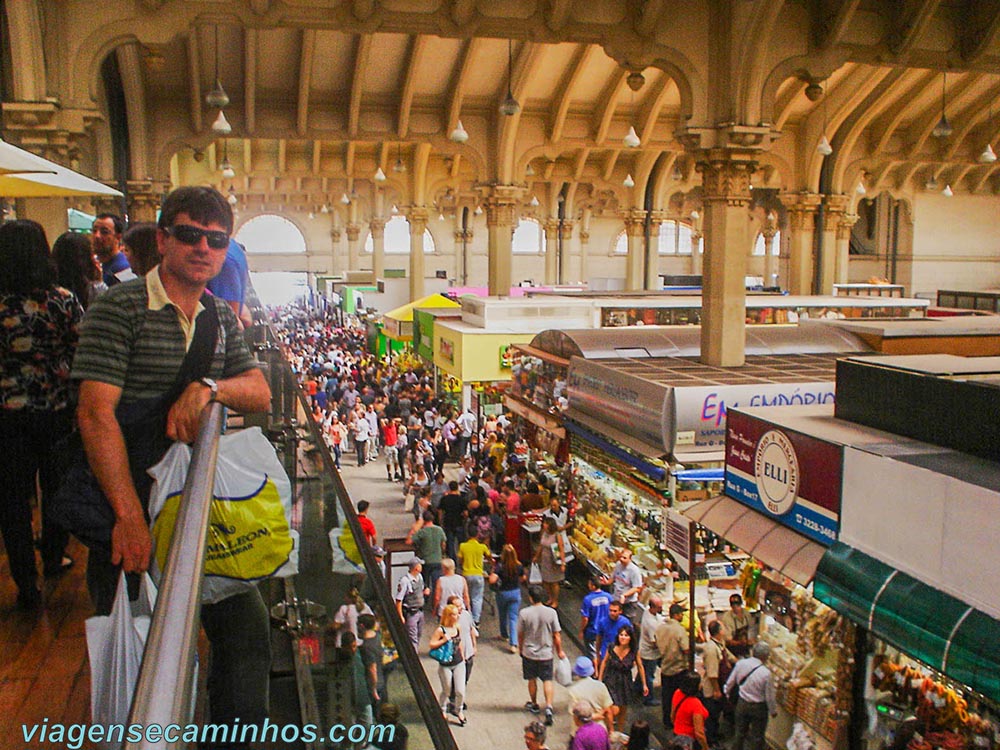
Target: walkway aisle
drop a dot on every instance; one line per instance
(496, 693)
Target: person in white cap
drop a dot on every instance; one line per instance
(593, 691)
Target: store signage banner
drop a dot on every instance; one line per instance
(699, 413)
(447, 349)
(630, 404)
(677, 538)
(785, 475)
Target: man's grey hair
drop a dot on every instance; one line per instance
(583, 710)
(761, 651)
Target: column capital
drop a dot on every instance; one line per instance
(845, 223)
(353, 232)
(801, 207)
(501, 193)
(335, 235)
(749, 139)
(376, 226)
(144, 198)
(466, 235)
(551, 228)
(836, 203)
(635, 221)
(418, 216)
(566, 228)
(584, 237)
(725, 176)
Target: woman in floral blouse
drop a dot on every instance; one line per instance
(38, 337)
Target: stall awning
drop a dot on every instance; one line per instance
(775, 545)
(923, 622)
(589, 432)
(525, 409)
(552, 359)
(598, 427)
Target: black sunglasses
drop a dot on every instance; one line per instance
(190, 235)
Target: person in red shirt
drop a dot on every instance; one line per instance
(689, 713)
(367, 526)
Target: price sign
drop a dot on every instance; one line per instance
(677, 538)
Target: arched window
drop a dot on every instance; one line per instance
(675, 238)
(528, 238)
(397, 238)
(621, 244)
(271, 234)
(759, 246)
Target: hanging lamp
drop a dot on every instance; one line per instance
(217, 97)
(823, 148)
(221, 124)
(628, 181)
(509, 107)
(943, 128)
(379, 175)
(631, 139)
(459, 134)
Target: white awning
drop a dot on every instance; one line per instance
(775, 545)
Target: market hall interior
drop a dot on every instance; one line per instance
(485, 144)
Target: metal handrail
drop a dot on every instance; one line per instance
(425, 696)
(164, 690)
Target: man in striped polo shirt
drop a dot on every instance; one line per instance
(132, 344)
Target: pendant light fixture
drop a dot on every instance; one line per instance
(227, 169)
(534, 201)
(459, 134)
(628, 181)
(510, 107)
(631, 139)
(988, 156)
(324, 209)
(217, 97)
(478, 211)
(943, 129)
(221, 124)
(345, 199)
(399, 167)
(395, 209)
(947, 192)
(379, 175)
(529, 171)
(860, 190)
(823, 148)
(232, 199)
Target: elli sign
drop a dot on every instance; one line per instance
(786, 475)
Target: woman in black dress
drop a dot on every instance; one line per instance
(616, 672)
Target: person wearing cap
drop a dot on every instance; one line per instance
(587, 688)
(410, 593)
(737, 627)
(757, 698)
(672, 642)
(367, 587)
(590, 735)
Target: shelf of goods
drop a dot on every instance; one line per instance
(812, 667)
(617, 509)
(949, 719)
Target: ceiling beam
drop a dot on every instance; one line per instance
(925, 128)
(911, 27)
(456, 162)
(783, 106)
(980, 30)
(607, 103)
(877, 176)
(581, 164)
(306, 56)
(361, 60)
(282, 153)
(349, 164)
(251, 43)
(908, 104)
(247, 159)
(417, 47)
(832, 21)
(647, 116)
(194, 79)
(987, 173)
(956, 139)
(560, 104)
(317, 157)
(609, 164)
(460, 82)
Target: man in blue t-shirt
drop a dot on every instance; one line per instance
(593, 613)
(232, 282)
(106, 239)
(608, 630)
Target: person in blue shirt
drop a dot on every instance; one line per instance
(232, 282)
(106, 238)
(608, 630)
(593, 613)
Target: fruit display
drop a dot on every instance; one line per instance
(940, 707)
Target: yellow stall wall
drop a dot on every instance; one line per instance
(475, 356)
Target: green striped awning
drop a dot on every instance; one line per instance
(927, 624)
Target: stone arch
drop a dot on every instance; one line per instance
(287, 223)
(753, 58)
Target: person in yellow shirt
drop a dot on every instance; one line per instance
(472, 556)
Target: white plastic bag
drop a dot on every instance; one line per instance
(250, 535)
(534, 574)
(115, 644)
(563, 672)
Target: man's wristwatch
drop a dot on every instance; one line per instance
(213, 387)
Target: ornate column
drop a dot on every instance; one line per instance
(500, 202)
(353, 233)
(584, 245)
(635, 227)
(463, 239)
(835, 207)
(770, 260)
(551, 228)
(802, 209)
(335, 237)
(696, 252)
(844, 227)
(652, 262)
(144, 198)
(726, 184)
(565, 238)
(417, 217)
(377, 227)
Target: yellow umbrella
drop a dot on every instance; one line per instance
(14, 159)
